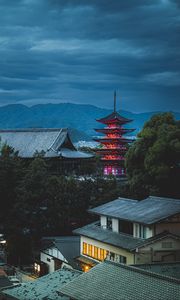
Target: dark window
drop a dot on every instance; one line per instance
(109, 223)
(126, 227)
(122, 259)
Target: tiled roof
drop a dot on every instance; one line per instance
(148, 211)
(106, 236)
(120, 240)
(171, 269)
(69, 246)
(45, 287)
(114, 116)
(4, 282)
(53, 142)
(112, 281)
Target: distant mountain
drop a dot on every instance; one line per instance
(81, 119)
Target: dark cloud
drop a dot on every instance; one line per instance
(81, 50)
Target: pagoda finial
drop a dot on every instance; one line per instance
(114, 101)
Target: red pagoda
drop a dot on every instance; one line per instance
(113, 144)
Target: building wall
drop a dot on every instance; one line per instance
(49, 261)
(53, 259)
(171, 227)
(129, 256)
(167, 249)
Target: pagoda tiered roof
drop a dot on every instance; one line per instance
(106, 140)
(106, 151)
(114, 130)
(114, 117)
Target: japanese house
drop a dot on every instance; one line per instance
(132, 232)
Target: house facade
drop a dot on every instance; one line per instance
(132, 232)
(56, 253)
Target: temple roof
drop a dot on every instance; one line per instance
(114, 117)
(52, 142)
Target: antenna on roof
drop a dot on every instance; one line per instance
(114, 101)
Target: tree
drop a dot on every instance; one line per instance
(31, 195)
(153, 161)
(11, 171)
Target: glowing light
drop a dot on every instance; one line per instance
(114, 170)
(37, 267)
(86, 268)
(3, 242)
(113, 157)
(113, 135)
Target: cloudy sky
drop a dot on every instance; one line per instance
(81, 50)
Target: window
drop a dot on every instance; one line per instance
(166, 244)
(109, 223)
(122, 259)
(84, 248)
(48, 259)
(90, 250)
(126, 227)
(103, 254)
(136, 230)
(96, 252)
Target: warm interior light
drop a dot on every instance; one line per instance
(37, 267)
(86, 268)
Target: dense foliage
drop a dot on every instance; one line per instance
(153, 161)
(35, 203)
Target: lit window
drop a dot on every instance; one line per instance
(84, 248)
(96, 252)
(103, 254)
(90, 250)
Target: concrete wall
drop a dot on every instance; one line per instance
(129, 256)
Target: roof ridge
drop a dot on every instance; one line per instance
(145, 272)
(32, 129)
(161, 198)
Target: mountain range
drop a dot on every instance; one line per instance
(81, 119)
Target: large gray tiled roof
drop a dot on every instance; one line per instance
(120, 240)
(53, 142)
(111, 281)
(147, 211)
(45, 287)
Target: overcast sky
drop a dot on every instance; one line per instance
(81, 50)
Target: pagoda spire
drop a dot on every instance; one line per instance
(114, 101)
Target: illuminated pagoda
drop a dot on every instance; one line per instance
(113, 144)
